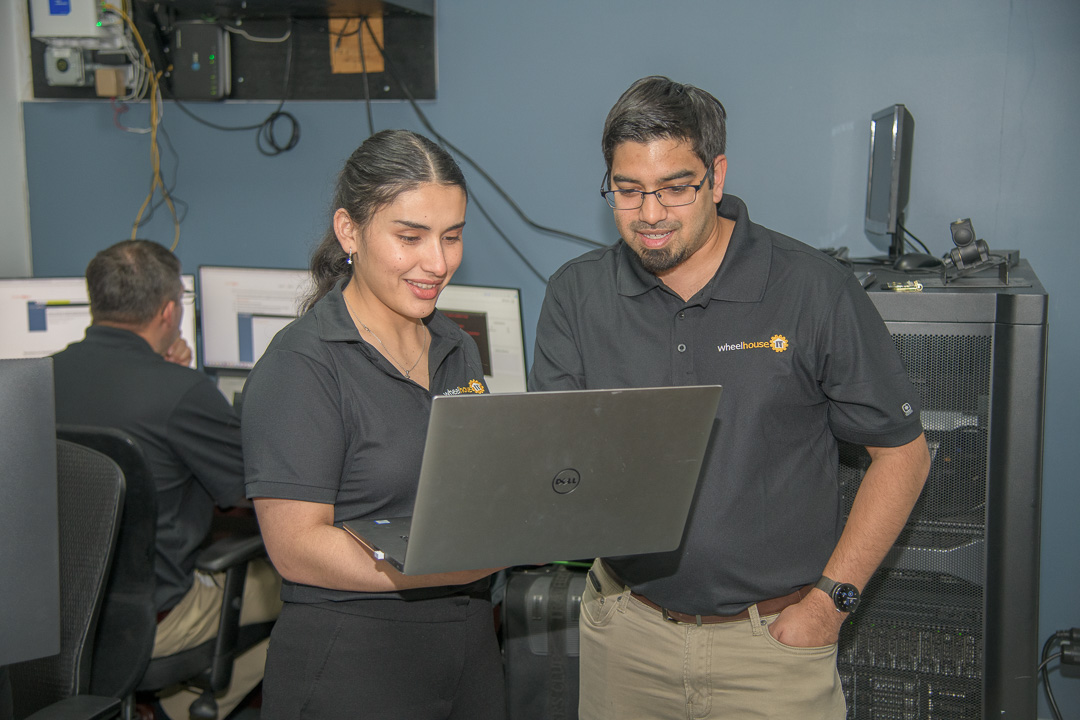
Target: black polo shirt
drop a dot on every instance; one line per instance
(187, 431)
(804, 359)
(328, 419)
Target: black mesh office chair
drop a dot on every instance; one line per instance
(122, 663)
(90, 498)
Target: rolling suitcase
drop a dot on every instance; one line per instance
(541, 642)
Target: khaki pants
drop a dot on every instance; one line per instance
(195, 620)
(635, 664)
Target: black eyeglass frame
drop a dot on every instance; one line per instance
(609, 195)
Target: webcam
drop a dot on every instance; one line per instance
(969, 252)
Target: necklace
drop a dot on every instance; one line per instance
(398, 363)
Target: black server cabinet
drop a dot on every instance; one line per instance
(949, 624)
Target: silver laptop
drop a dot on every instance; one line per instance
(529, 478)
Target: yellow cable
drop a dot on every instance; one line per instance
(155, 119)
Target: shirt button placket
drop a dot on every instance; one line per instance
(683, 358)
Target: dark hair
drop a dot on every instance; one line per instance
(656, 107)
(387, 164)
(130, 281)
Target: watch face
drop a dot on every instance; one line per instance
(846, 597)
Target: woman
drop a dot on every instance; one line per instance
(335, 416)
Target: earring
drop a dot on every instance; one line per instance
(348, 260)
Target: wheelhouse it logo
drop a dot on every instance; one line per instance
(777, 343)
(472, 387)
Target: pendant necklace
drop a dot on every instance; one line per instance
(398, 363)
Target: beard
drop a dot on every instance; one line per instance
(664, 259)
(671, 255)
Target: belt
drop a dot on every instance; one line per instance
(764, 607)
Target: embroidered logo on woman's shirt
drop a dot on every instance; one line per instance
(474, 387)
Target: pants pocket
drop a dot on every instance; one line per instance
(600, 597)
(809, 652)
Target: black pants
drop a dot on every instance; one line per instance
(419, 660)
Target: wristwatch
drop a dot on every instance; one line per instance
(845, 596)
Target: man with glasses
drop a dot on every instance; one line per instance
(127, 374)
(742, 619)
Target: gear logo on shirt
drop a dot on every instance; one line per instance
(777, 343)
(473, 387)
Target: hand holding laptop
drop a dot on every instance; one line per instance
(526, 478)
(384, 565)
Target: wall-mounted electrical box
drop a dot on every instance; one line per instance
(66, 19)
(236, 49)
(65, 66)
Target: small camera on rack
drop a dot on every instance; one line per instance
(969, 252)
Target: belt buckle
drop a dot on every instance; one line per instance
(667, 616)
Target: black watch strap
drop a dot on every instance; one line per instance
(845, 596)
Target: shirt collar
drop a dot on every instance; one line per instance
(742, 276)
(118, 337)
(336, 325)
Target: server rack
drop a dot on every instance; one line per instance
(949, 625)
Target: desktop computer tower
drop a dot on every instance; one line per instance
(948, 628)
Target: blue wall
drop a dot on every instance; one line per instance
(524, 88)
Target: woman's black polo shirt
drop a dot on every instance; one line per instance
(328, 419)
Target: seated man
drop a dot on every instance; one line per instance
(130, 373)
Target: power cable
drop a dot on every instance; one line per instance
(244, 34)
(265, 138)
(155, 121)
(513, 247)
(909, 234)
(438, 136)
(363, 67)
(1046, 658)
(169, 188)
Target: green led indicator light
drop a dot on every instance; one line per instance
(211, 57)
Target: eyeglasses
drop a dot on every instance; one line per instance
(673, 196)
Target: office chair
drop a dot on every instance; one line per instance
(122, 664)
(90, 498)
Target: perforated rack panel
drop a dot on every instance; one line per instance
(948, 626)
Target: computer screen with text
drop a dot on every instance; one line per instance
(242, 308)
(42, 316)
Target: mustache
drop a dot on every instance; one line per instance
(640, 227)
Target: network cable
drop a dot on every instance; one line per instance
(438, 136)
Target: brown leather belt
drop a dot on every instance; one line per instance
(764, 607)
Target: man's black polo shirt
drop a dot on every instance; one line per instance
(804, 359)
(186, 429)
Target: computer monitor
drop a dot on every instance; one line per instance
(242, 308)
(29, 530)
(889, 177)
(42, 316)
(492, 316)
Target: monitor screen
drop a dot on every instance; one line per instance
(492, 316)
(888, 176)
(42, 316)
(242, 308)
(29, 531)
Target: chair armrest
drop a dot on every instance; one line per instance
(80, 707)
(229, 552)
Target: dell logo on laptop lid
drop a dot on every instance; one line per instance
(566, 481)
